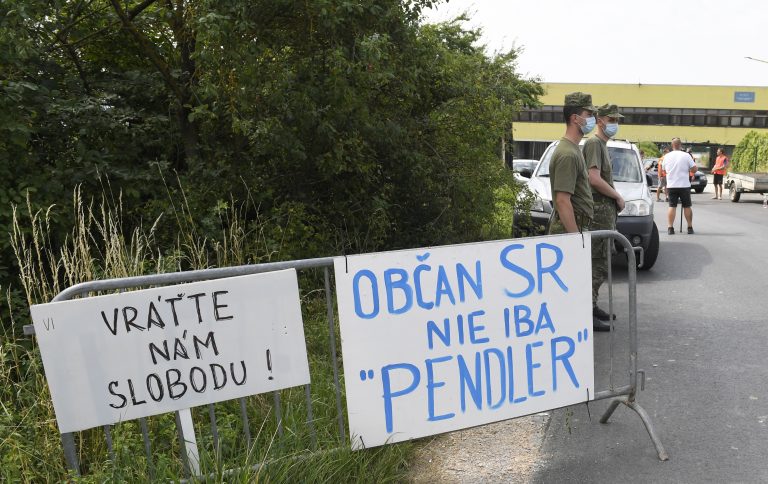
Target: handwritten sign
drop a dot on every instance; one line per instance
(452, 337)
(118, 357)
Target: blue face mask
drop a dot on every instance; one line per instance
(587, 128)
(611, 129)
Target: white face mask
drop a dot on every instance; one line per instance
(611, 129)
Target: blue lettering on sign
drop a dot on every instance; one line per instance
(443, 287)
(549, 269)
(401, 291)
(540, 268)
(517, 270)
(431, 385)
(475, 329)
(744, 96)
(417, 282)
(496, 365)
(477, 283)
(563, 358)
(401, 284)
(467, 383)
(488, 381)
(532, 366)
(374, 293)
(388, 394)
(524, 324)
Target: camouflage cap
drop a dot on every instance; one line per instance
(580, 100)
(610, 110)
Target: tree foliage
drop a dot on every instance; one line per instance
(650, 149)
(349, 125)
(751, 154)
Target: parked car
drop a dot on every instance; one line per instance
(635, 222)
(698, 183)
(523, 169)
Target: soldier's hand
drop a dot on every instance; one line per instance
(620, 203)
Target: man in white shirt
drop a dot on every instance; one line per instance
(679, 166)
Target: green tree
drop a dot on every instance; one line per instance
(650, 149)
(751, 154)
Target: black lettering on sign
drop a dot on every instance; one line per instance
(209, 342)
(153, 317)
(153, 349)
(216, 383)
(176, 383)
(129, 320)
(232, 372)
(133, 394)
(172, 302)
(113, 328)
(158, 383)
(217, 306)
(124, 401)
(197, 297)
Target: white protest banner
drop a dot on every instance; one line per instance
(113, 358)
(446, 338)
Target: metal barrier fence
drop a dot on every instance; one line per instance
(184, 426)
(625, 394)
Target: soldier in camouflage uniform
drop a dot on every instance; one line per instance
(607, 201)
(571, 193)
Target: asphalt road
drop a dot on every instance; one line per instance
(702, 332)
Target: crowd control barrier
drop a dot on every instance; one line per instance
(618, 393)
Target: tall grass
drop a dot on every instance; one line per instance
(98, 246)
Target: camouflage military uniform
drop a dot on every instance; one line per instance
(556, 226)
(596, 156)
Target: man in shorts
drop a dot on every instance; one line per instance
(718, 171)
(679, 166)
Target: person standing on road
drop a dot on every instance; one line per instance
(719, 171)
(679, 166)
(662, 185)
(607, 201)
(571, 194)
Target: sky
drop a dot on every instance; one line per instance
(701, 42)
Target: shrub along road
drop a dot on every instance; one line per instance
(702, 341)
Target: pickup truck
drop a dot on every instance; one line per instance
(738, 183)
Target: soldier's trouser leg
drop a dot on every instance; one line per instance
(605, 219)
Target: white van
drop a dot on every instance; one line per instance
(635, 222)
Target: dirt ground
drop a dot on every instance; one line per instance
(506, 451)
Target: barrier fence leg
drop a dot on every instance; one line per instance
(188, 441)
(310, 416)
(147, 447)
(334, 361)
(649, 427)
(70, 453)
(611, 408)
(646, 419)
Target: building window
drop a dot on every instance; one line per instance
(735, 120)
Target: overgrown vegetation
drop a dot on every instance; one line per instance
(751, 154)
(95, 249)
(297, 129)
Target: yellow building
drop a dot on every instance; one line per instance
(703, 117)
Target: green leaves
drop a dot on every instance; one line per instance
(751, 154)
